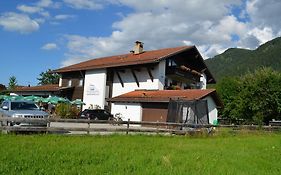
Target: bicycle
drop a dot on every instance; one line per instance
(116, 119)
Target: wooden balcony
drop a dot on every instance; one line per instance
(182, 74)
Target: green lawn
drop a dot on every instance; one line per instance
(255, 153)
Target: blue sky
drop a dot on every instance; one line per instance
(37, 35)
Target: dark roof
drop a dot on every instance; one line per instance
(125, 59)
(49, 87)
(166, 95)
(2, 87)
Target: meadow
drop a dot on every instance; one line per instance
(244, 153)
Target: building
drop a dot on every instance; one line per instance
(100, 81)
(152, 105)
(43, 90)
(2, 87)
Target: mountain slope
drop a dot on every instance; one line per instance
(236, 62)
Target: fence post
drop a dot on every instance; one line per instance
(157, 127)
(128, 125)
(48, 125)
(88, 131)
(1, 123)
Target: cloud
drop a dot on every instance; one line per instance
(45, 14)
(249, 42)
(63, 17)
(44, 3)
(40, 20)
(39, 7)
(29, 9)
(18, 23)
(162, 24)
(165, 23)
(263, 35)
(50, 46)
(48, 3)
(84, 4)
(265, 13)
(265, 21)
(33, 9)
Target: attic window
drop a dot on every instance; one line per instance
(171, 63)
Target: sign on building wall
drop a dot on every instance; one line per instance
(92, 90)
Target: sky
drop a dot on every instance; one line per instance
(37, 35)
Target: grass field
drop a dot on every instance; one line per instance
(254, 153)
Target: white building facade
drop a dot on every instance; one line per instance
(109, 77)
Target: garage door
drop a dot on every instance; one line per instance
(154, 112)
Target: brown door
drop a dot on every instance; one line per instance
(154, 112)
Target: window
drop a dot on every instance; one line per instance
(80, 82)
(5, 104)
(69, 83)
(23, 106)
(172, 63)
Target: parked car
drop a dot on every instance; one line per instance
(22, 109)
(95, 114)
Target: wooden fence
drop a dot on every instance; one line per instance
(99, 126)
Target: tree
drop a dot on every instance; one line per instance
(12, 83)
(48, 78)
(255, 96)
(228, 88)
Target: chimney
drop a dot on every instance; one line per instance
(138, 47)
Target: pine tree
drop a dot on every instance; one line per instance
(12, 83)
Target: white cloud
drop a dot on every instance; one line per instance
(40, 20)
(263, 35)
(162, 24)
(264, 25)
(45, 14)
(39, 7)
(248, 42)
(18, 22)
(84, 4)
(42, 15)
(214, 49)
(63, 17)
(265, 19)
(210, 25)
(48, 3)
(50, 46)
(265, 13)
(29, 9)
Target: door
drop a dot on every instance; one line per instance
(155, 112)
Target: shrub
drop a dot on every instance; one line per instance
(64, 110)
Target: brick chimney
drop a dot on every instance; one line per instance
(138, 47)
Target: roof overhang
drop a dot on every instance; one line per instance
(146, 57)
(43, 88)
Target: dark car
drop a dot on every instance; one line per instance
(95, 114)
